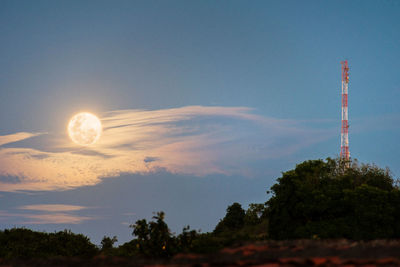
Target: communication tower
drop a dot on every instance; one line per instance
(344, 144)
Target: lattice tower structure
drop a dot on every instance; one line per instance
(344, 144)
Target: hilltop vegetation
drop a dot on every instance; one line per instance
(321, 199)
(316, 200)
(24, 244)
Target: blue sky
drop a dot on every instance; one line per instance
(244, 90)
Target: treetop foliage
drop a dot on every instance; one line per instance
(24, 243)
(234, 219)
(325, 200)
(107, 244)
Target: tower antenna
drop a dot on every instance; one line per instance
(344, 144)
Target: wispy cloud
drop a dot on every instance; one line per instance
(12, 138)
(45, 214)
(52, 207)
(53, 218)
(193, 140)
(56, 218)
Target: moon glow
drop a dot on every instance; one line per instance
(84, 129)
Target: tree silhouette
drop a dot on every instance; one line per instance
(233, 220)
(107, 244)
(154, 238)
(321, 199)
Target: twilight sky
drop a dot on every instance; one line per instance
(203, 103)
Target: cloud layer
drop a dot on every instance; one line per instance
(45, 214)
(52, 207)
(193, 140)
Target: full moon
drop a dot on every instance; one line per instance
(84, 129)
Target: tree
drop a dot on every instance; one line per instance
(321, 198)
(254, 214)
(107, 243)
(186, 238)
(24, 243)
(154, 238)
(233, 220)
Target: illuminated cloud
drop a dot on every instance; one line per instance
(55, 218)
(44, 218)
(45, 214)
(194, 140)
(52, 207)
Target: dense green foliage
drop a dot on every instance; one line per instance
(234, 219)
(317, 199)
(24, 243)
(322, 199)
(154, 238)
(107, 245)
(241, 225)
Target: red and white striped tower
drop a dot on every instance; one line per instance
(344, 144)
